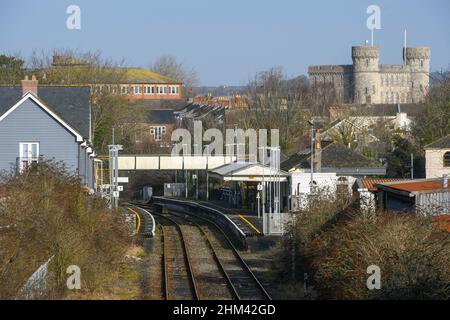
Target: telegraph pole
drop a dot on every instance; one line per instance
(311, 123)
(207, 172)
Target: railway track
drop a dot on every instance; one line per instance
(230, 271)
(179, 281)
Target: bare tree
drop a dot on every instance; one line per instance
(434, 122)
(167, 65)
(276, 102)
(109, 108)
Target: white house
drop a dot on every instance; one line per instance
(336, 169)
(437, 158)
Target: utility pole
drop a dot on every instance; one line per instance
(311, 123)
(412, 166)
(207, 172)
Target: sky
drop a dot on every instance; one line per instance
(227, 41)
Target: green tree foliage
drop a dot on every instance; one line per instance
(399, 159)
(11, 69)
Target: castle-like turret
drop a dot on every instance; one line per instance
(366, 81)
(418, 61)
(366, 77)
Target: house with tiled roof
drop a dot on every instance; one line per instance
(437, 158)
(335, 169)
(46, 123)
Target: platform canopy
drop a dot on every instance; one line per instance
(245, 171)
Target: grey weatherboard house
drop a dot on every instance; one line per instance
(49, 122)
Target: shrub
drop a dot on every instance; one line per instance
(413, 256)
(47, 212)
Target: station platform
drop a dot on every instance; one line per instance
(246, 220)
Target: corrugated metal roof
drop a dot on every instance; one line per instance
(369, 183)
(417, 185)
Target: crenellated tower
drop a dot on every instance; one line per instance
(418, 62)
(366, 74)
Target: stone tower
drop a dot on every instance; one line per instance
(366, 74)
(418, 62)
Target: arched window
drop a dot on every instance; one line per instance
(447, 159)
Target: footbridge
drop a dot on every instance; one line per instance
(169, 162)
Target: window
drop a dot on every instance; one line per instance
(124, 89)
(148, 90)
(161, 89)
(173, 89)
(137, 89)
(29, 153)
(447, 159)
(158, 132)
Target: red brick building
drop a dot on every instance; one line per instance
(135, 83)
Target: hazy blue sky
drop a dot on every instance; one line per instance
(227, 41)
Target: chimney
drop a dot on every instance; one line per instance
(445, 181)
(318, 151)
(30, 85)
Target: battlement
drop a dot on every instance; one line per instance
(395, 68)
(365, 52)
(321, 69)
(418, 53)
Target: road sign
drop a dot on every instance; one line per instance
(194, 176)
(119, 188)
(122, 179)
(260, 187)
(115, 194)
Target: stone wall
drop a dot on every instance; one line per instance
(434, 163)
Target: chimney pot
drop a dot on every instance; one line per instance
(30, 85)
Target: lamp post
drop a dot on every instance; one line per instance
(185, 171)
